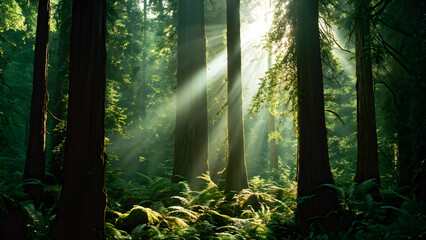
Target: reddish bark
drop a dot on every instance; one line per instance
(81, 208)
(36, 152)
(367, 157)
(236, 171)
(191, 134)
(313, 161)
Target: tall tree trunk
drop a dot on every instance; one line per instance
(313, 162)
(273, 146)
(236, 171)
(191, 133)
(141, 101)
(36, 152)
(81, 208)
(61, 83)
(367, 157)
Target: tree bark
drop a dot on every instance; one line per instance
(236, 171)
(367, 156)
(82, 204)
(191, 133)
(142, 99)
(313, 161)
(273, 147)
(36, 152)
(61, 83)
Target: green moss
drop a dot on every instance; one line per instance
(136, 216)
(216, 218)
(111, 216)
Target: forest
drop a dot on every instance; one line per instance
(215, 119)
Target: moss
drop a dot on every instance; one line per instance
(216, 218)
(111, 216)
(138, 215)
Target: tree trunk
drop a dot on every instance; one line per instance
(367, 157)
(273, 146)
(191, 133)
(404, 154)
(36, 152)
(236, 171)
(313, 162)
(142, 100)
(82, 204)
(61, 83)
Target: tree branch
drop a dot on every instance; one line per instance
(390, 162)
(53, 116)
(381, 9)
(11, 43)
(394, 28)
(392, 92)
(336, 114)
(385, 45)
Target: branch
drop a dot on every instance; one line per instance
(381, 9)
(11, 90)
(392, 92)
(394, 57)
(377, 4)
(50, 113)
(392, 48)
(338, 8)
(390, 162)
(326, 8)
(394, 28)
(336, 114)
(335, 40)
(11, 43)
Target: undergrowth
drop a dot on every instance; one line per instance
(142, 207)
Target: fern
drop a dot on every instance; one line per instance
(182, 200)
(178, 210)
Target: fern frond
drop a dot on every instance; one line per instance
(182, 200)
(181, 210)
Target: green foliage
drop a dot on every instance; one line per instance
(137, 216)
(111, 233)
(140, 113)
(207, 214)
(12, 18)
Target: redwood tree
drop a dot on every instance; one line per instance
(60, 84)
(36, 152)
(191, 133)
(367, 158)
(236, 171)
(273, 146)
(81, 208)
(312, 158)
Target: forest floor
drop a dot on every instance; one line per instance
(141, 207)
